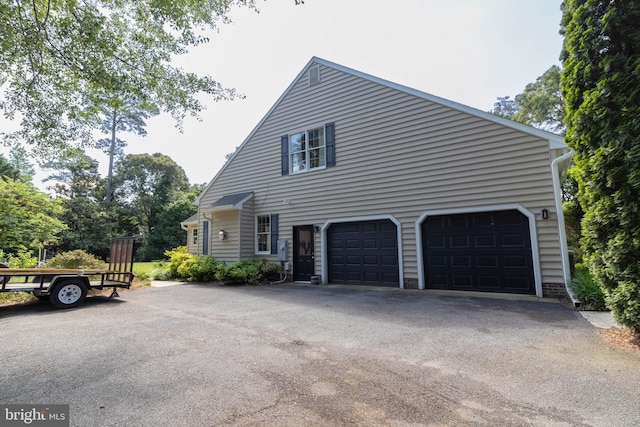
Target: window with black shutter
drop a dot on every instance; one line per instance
(307, 150)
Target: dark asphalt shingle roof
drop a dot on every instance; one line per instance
(231, 199)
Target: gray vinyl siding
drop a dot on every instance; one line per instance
(225, 250)
(192, 248)
(396, 154)
(247, 230)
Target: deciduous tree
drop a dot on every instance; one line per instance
(539, 105)
(148, 184)
(54, 53)
(28, 217)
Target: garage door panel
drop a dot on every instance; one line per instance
(462, 282)
(513, 240)
(389, 244)
(515, 261)
(485, 241)
(363, 253)
(460, 261)
(489, 251)
(457, 222)
(369, 228)
(459, 241)
(369, 244)
(488, 281)
(351, 260)
(351, 229)
(390, 261)
(352, 244)
(483, 220)
(370, 260)
(436, 241)
(486, 261)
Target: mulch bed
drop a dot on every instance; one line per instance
(621, 337)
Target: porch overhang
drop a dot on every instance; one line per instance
(230, 202)
(192, 220)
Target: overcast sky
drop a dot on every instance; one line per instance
(468, 51)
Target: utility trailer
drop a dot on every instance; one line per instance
(63, 288)
(67, 288)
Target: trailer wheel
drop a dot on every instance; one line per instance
(68, 294)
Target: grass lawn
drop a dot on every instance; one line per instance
(143, 267)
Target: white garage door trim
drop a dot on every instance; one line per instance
(537, 276)
(325, 252)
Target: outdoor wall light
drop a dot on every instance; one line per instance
(222, 235)
(545, 214)
(316, 228)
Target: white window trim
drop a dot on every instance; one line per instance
(268, 251)
(194, 236)
(324, 144)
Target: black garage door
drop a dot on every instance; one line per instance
(488, 251)
(363, 253)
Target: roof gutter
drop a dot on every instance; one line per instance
(556, 165)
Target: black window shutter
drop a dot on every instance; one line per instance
(285, 154)
(274, 233)
(330, 142)
(205, 237)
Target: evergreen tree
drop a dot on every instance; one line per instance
(601, 88)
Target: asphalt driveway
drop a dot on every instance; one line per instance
(301, 355)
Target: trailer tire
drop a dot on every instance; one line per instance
(68, 294)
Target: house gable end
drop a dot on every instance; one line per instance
(555, 141)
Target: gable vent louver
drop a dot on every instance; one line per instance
(314, 75)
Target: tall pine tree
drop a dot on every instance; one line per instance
(601, 88)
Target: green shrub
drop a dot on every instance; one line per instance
(22, 259)
(199, 268)
(624, 302)
(245, 271)
(177, 257)
(587, 290)
(75, 259)
(143, 276)
(204, 268)
(161, 272)
(269, 271)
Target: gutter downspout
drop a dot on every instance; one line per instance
(556, 164)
